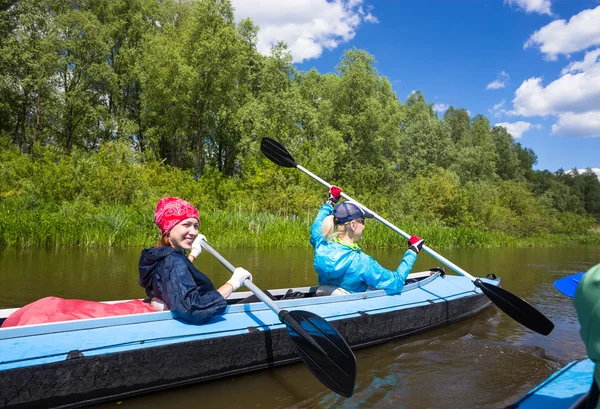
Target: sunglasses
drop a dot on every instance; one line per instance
(360, 220)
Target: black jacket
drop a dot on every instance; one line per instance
(167, 274)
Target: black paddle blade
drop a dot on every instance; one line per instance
(516, 308)
(336, 369)
(277, 153)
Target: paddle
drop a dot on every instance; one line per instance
(513, 306)
(318, 343)
(567, 285)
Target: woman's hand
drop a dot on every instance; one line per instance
(197, 246)
(334, 195)
(415, 244)
(239, 276)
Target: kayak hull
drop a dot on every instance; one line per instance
(89, 361)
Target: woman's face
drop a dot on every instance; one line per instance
(182, 235)
(357, 226)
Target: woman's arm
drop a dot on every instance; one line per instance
(316, 236)
(376, 276)
(225, 290)
(184, 298)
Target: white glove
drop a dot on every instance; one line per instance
(196, 247)
(239, 276)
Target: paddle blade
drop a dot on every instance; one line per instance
(277, 153)
(568, 285)
(336, 369)
(516, 308)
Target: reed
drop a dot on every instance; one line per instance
(81, 223)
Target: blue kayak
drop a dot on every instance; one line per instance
(77, 363)
(563, 389)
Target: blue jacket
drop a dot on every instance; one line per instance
(167, 274)
(350, 268)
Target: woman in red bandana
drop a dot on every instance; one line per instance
(168, 275)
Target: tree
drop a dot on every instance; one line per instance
(507, 160)
(476, 156)
(80, 115)
(195, 80)
(366, 114)
(127, 22)
(27, 62)
(458, 120)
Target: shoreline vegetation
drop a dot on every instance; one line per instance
(122, 226)
(107, 106)
(108, 198)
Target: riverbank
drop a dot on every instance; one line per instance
(83, 224)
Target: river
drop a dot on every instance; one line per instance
(487, 361)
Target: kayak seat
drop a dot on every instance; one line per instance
(291, 294)
(327, 289)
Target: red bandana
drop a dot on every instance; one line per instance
(171, 211)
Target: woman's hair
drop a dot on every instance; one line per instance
(164, 241)
(330, 230)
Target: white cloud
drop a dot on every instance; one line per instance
(517, 129)
(532, 6)
(498, 109)
(561, 37)
(441, 107)
(590, 59)
(499, 82)
(576, 93)
(307, 27)
(581, 171)
(574, 98)
(585, 125)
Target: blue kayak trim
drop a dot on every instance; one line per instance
(561, 389)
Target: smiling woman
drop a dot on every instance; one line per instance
(170, 278)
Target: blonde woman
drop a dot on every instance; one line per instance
(340, 263)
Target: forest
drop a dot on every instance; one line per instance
(108, 105)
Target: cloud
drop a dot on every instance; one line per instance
(441, 107)
(498, 110)
(590, 59)
(499, 82)
(577, 93)
(581, 171)
(585, 125)
(517, 129)
(561, 37)
(574, 98)
(307, 27)
(531, 6)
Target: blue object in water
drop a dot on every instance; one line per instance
(568, 285)
(562, 389)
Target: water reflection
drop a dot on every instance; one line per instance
(486, 361)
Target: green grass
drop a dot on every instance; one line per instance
(80, 223)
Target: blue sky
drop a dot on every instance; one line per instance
(531, 65)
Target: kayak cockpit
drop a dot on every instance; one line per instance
(246, 297)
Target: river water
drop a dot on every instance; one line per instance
(487, 361)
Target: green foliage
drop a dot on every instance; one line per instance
(108, 105)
